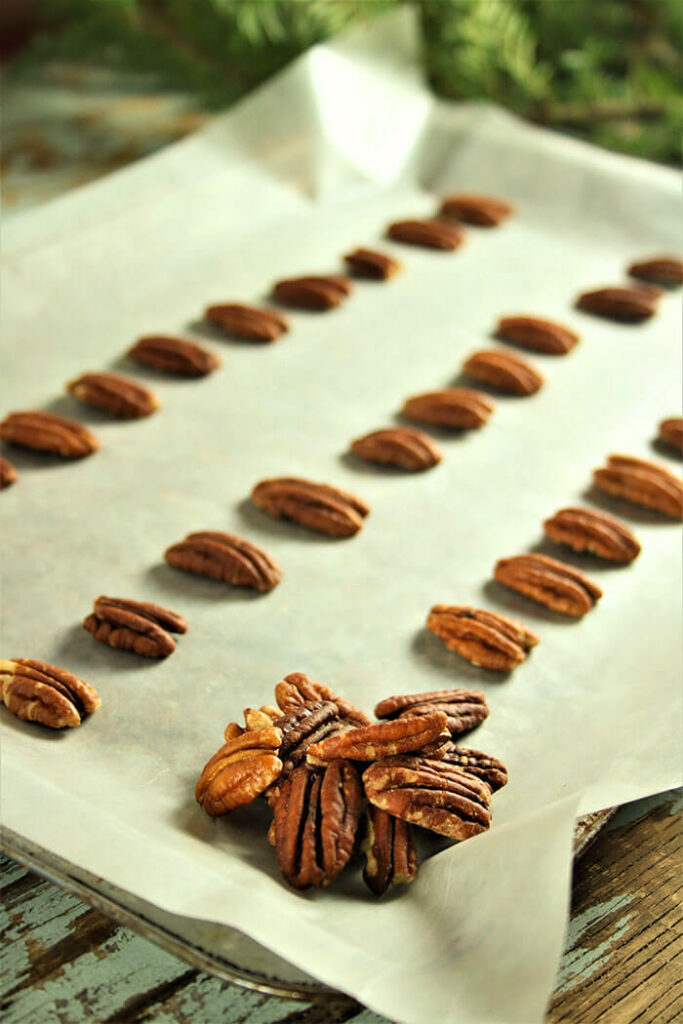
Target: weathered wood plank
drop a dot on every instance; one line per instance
(624, 951)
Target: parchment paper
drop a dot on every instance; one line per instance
(316, 162)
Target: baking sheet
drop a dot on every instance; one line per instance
(313, 164)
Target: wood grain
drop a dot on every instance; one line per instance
(623, 960)
(64, 963)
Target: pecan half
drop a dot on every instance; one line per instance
(226, 558)
(503, 371)
(671, 432)
(381, 740)
(389, 848)
(641, 483)
(629, 305)
(398, 446)
(297, 688)
(174, 355)
(454, 408)
(484, 211)
(483, 638)
(464, 709)
(585, 530)
(664, 270)
(316, 819)
(37, 692)
(8, 474)
(368, 263)
(304, 726)
(118, 395)
(45, 432)
(432, 794)
(317, 293)
(531, 332)
(475, 762)
(251, 323)
(138, 626)
(240, 771)
(556, 585)
(316, 506)
(432, 234)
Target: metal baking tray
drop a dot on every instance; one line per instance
(224, 952)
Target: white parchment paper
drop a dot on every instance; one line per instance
(313, 164)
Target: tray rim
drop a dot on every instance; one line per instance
(91, 889)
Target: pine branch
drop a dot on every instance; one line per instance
(578, 115)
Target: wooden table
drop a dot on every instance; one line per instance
(61, 962)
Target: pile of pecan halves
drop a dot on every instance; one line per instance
(331, 776)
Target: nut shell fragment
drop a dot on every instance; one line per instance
(389, 848)
(550, 582)
(251, 323)
(539, 335)
(398, 446)
(641, 483)
(318, 507)
(583, 529)
(483, 211)
(429, 793)
(226, 558)
(118, 395)
(453, 408)
(174, 355)
(37, 692)
(481, 637)
(45, 432)
(431, 234)
(504, 372)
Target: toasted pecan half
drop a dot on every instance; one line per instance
(318, 507)
(641, 483)
(430, 234)
(45, 432)
(398, 446)
(226, 558)
(583, 529)
(483, 638)
(552, 583)
(452, 408)
(482, 211)
(37, 692)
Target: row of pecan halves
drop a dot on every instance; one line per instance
(484, 638)
(331, 775)
(494, 641)
(121, 397)
(37, 692)
(320, 507)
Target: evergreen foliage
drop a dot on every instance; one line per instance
(607, 70)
